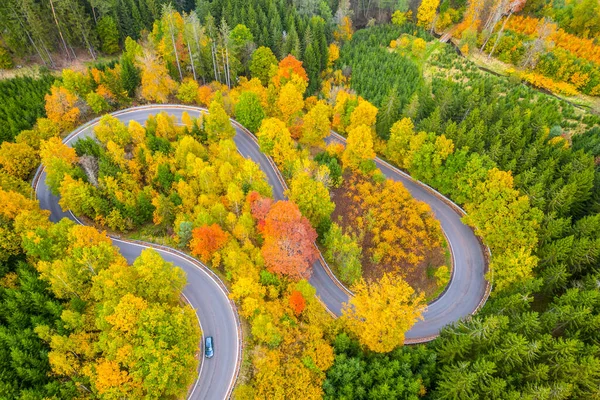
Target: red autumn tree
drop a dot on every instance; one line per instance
(206, 240)
(297, 302)
(288, 247)
(259, 207)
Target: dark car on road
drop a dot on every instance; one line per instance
(208, 347)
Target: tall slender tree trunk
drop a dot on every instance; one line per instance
(64, 43)
(500, 32)
(85, 37)
(224, 68)
(492, 21)
(367, 10)
(433, 23)
(88, 44)
(199, 50)
(215, 62)
(228, 68)
(172, 29)
(48, 54)
(37, 50)
(73, 52)
(191, 60)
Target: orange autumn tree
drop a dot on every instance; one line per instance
(580, 47)
(288, 247)
(206, 240)
(60, 107)
(290, 70)
(297, 302)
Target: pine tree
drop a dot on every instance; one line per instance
(109, 34)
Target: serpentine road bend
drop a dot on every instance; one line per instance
(217, 314)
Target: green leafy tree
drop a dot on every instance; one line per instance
(188, 91)
(109, 34)
(405, 372)
(261, 64)
(217, 124)
(345, 254)
(130, 73)
(5, 59)
(249, 112)
(97, 103)
(313, 199)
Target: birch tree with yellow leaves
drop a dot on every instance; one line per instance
(157, 85)
(426, 13)
(380, 313)
(359, 147)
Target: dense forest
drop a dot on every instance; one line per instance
(76, 321)
(482, 125)
(22, 102)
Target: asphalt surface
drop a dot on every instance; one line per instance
(216, 313)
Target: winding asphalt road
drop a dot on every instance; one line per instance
(207, 294)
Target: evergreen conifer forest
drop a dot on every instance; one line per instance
(300, 199)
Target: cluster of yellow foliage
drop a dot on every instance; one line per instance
(344, 30)
(60, 107)
(543, 82)
(416, 46)
(380, 313)
(426, 12)
(397, 231)
(157, 85)
(504, 219)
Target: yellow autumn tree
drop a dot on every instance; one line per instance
(333, 54)
(402, 231)
(60, 107)
(111, 128)
(18, 159)
(217, 124)
(365, 113)
(504, 218)
(188, 91)
(380, 313)
(275, 140)
(157, 85)
(165, 126)
(426, 12)
(109, 378)
(58, 158)
(359, 147)
(290, 103)
(137, 132)
(344, 30)
(14, 203)
(398, 146)
(316, 125)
